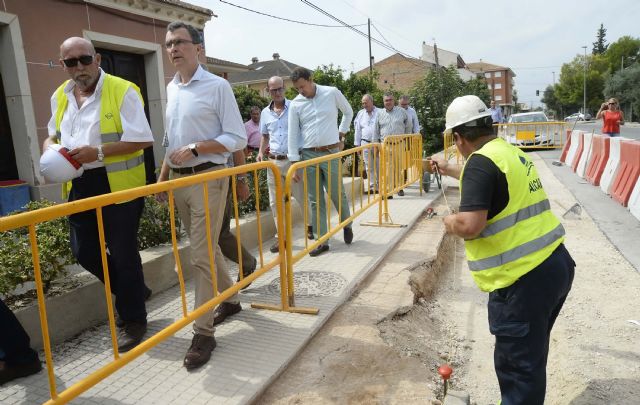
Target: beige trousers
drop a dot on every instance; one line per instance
(190, 205)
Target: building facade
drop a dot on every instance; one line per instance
(129, 34)
(398, 72)
(258, 74)
(499, 81)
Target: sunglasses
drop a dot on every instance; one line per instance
(613, 103)
(86, 60)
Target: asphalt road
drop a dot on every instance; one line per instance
(629, 130)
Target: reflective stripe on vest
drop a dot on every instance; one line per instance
(123, 171)
(517, 252)
(523, 234)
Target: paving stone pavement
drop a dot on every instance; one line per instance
(254, 346)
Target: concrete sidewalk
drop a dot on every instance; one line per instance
(254, 346)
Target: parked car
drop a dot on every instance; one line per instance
(579, 117)
(530, 129)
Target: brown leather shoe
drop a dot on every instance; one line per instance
(224, 310)
(275, 248)
(199, 352)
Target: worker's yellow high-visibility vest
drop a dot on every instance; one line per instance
(523, 234)
(123, 171)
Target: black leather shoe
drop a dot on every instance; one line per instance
(348, 235)
(247, 273)
(224, 310)
(373, 191)
(401, 193)
(199, 352)
(319, 250)
(130, 335)
(11, 372)
(310, 232)
(389, 197)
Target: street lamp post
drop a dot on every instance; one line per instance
(584, 84)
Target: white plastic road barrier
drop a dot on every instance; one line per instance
(634, 201)
(611, 169)
(586, 154)
(573, 148)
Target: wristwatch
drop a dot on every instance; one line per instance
(100, 154)
(194, 149)
(242, 178)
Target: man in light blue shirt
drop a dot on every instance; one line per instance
(496, 113)
(403, 101)
(274, 127)
(313, 133)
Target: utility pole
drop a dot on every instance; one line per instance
(370, 57)
(554, 78)
(584, 83)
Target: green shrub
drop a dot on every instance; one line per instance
(54, 248)
(155, 225)
(16, 266)
(249, 206)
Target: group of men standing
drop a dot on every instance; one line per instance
(373, 125)
(514, 243)
(100, 120)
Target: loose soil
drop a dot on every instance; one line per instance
(371, 352)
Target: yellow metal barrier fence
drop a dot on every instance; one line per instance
(32, 218)
(319, 170)
(402, 160)
(400, 163)
(534, 135)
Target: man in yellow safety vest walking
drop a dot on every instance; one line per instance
(514, 247)
(100, 119)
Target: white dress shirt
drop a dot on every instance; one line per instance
(364, 124)
(201, 110)
(313, 121)
(277, 127)
(81, 126)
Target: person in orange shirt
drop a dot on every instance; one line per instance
(611, 116)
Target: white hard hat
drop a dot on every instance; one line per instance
(57, 166)
(465, 109)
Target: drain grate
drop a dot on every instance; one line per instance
(312, 284)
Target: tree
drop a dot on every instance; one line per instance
(599, 47)
(247, 98)
(432, 95)
(626, 47)
(514, 97)
(569, 90)
(549, 99)
(625, 86)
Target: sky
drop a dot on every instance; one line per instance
(534, 39)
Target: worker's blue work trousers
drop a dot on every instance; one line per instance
(14, 341)
(521, 317)
(121, 222)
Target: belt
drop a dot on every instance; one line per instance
(277, 157)
(194, 169)
(323, 148)
(365, 140)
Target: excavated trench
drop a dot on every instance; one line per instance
(423, 330)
